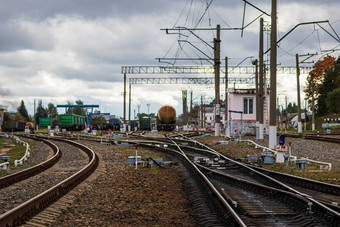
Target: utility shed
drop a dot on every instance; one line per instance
(244, 100)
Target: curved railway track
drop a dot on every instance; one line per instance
(29, 172)
(261, 200)
(26, 210)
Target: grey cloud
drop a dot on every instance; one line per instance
(4, 91)
(15, 37)
(42, 9)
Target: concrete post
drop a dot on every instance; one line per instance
(273, 64)
(124, 110)
(298, 93)
(226, 96)
(261, 75)
(217, 63)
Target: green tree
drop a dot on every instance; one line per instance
(52, 113)
(333, 101)
(7, 125)
(52, 110)
(18, 116)
(22, 109)
(291, 108)
(78, 111)
(330, 82)
(98, 120)
(30, 118)
(40, 112)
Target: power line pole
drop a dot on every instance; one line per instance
(261, 75)
(124, 95)
(298, 93)
(217, 63)
(226, 97)
(257, 100)
(286, 113)
(148, 105)
(190, 116)
(201, 111)
(313, 106)
(129, 104)
(185, 109)
(273, 63)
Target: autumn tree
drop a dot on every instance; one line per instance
(316, 76)
(330, 82)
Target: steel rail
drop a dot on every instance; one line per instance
(31, 171)
(321, 209)
(28, 209)
(276, 181)
(234, 215)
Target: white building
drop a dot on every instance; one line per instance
(239, 101)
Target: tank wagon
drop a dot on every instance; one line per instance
(166, 118)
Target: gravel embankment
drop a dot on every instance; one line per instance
(124, 196)
(316, 150)
(39, 152)
(24, 190)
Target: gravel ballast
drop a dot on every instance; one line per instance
(124, 196)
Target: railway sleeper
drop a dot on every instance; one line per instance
(296, 203)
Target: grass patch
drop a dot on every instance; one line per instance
(2, 173)
(15, 153)
(311, 172)
(154, 171)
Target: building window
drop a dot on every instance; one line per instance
(251, 106)
(248, 106)
(245, 106)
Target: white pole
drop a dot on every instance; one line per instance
(136, 147)
(136, 158)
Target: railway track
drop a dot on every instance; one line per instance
(261, 200)
(29, 172)
(324, 138)
(258, 200)
(68, 174)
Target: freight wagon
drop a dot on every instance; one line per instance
(71, 122)
(45, 121)
(144, 123)
(114, 125)
(18, 125)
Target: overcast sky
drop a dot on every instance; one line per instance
(64, 50)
